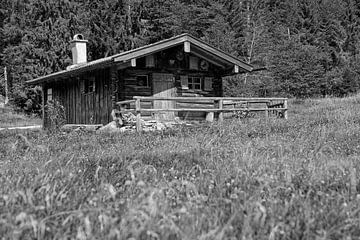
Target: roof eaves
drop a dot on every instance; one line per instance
(151, 48)
(220, 53)
(73, 71)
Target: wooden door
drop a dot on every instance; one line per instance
(164, 86)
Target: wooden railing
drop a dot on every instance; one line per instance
(270, 106)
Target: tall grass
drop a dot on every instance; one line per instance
(12, 119)
(252, 179)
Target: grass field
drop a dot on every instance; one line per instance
(12, 119)
(248, 179)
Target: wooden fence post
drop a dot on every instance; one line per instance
(267, 111)
(221, 114)
(138, 115)
(43, 106)
(286, 109)
(6, 86)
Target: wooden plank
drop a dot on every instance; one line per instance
(83, 103)
(138, 115)
(211, 110)
(209, 98)
(285, 109)
(86, 108)
(221, 115)
(108, 97)
(195, 105)
(91, 108)
(78, 103)
(73, 101)
(126, 102)
(43, 89)
(152, 48)
(267, 112)
(214, 51)
(97, 98)
(67, 102)
(208, 58)
(101, 98)
(187, 46)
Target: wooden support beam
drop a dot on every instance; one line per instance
(6, 86)
(286, 109)
(138, 115)
(221, 114)
(125, 102)
(133, 62)
(207, 58)
(43, 105)
(267, 111)
(208, 110)
(123, 65)
(187, 47)
(257, 100)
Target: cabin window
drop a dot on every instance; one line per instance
(150, 61)
(142, 80)
(49, 94)
(194, 83)
(89, 85)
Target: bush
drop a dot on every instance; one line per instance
(27, 100)
(55, 115)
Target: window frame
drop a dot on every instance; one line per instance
(192, 83)
(89, 85)
(147, 85)
(49, 93)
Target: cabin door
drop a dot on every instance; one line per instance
(164, 86)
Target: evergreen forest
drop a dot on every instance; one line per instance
(308, 48)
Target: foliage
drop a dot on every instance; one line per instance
(55, 114)
(239, 180)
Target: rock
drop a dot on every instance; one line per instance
(210, 117)
(169, 124)
(111, 127)
(160, 126)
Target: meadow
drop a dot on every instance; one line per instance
(13, 119)
(242, 179)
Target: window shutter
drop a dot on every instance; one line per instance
(208, 81)
(184, 82)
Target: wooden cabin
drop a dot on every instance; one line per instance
(177, 67)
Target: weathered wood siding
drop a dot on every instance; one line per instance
(83, 107)
(167, 62)
(112, 85)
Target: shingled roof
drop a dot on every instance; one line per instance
(198, 47)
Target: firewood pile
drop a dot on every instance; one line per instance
(127, 122)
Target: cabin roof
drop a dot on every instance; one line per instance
(197, 46)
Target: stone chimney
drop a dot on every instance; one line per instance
(78, 48)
